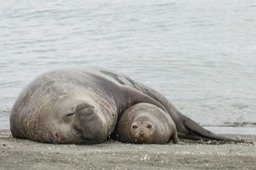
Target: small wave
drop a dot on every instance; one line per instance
(240, 124)
(5, 109)
(234, 124)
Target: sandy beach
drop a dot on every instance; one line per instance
(25, 154)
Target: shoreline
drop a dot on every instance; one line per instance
(25, 154)
(232, 130)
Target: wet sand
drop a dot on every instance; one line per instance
(25, 154)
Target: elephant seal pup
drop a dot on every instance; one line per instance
(82, 106)
(145, 123)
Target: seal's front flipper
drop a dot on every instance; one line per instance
(175, 138)
(197, 132)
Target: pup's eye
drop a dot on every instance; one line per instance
(149, 126)
(134, 127)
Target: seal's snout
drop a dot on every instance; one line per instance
(92, 137)
(82, 106)
(92, 124)
(141, 133)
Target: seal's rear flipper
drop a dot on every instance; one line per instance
(197, 132)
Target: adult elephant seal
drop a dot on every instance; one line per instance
(82, 106)
(72, 106)
(145, 123)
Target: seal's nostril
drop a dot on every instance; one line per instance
(141, 134)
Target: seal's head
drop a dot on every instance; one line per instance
(144, 123)
(58, 112)
(142, 130)
(79, 120)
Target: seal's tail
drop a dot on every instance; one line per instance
(197, 132)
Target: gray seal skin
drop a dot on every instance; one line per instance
(72, 106)
(145, 123)
(82, 106)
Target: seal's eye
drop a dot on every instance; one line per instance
(134, 126)
(149, 126)
(68, 117)
(70, 114)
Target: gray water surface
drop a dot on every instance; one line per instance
(199, 54)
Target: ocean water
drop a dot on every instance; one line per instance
(200, 54)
